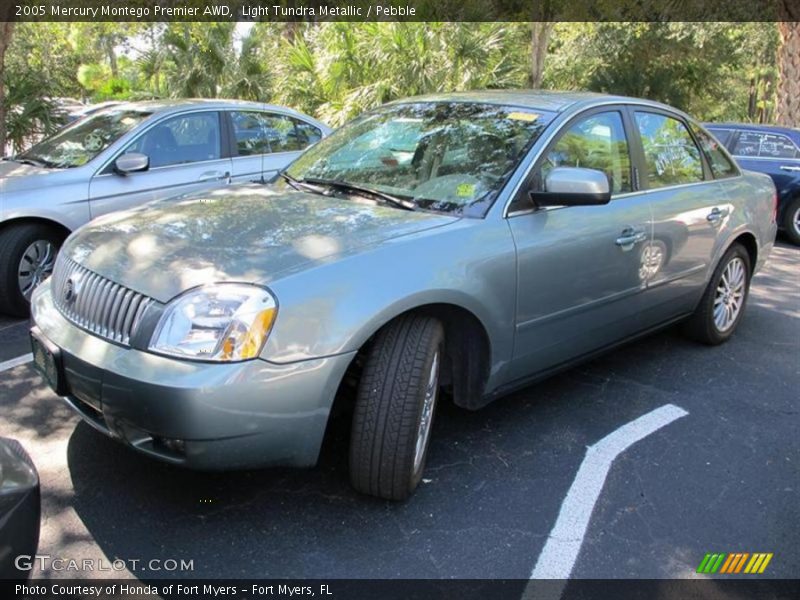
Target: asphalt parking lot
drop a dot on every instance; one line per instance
(724, 478)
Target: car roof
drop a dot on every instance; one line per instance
(547, 100)
(163, 107)
(791, 131)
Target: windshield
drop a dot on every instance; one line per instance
(444, 156)
(79, 143)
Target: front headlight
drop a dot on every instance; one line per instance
(224, 322)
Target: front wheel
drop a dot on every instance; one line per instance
(721, 308)
(394, 408)
(791, 221)
(27, 257)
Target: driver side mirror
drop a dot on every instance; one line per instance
(573, 186)
(131, 163)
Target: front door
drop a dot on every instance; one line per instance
(580, 274)
(185, 156)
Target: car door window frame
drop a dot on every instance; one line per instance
(644, 184)
(224, 149)
(521, 194)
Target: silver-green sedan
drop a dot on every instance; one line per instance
(465, 242)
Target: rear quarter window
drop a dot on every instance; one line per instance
(721, 165)
(760, 144)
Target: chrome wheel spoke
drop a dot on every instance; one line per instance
(730, 293)
(426, 418)
(35, 266)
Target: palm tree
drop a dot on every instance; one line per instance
(199, 54)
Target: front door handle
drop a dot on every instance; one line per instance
(791, 168)
(630, 237)
(715, 216)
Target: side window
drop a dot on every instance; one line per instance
(249, 129)
(595, 142)
(765, 145)
(723, 135)
(286, 134)
(182, 139)
(721, 165)
(307, 134)
(671, 156)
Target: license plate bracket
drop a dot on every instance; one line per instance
(48, 361)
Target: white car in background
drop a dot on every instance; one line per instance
(127, 155)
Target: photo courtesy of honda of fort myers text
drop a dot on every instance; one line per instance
(414, 299)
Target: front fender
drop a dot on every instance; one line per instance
(336, 307)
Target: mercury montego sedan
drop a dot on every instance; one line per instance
(126, 155)
(465, 242)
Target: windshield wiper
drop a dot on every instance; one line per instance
(27, 161)
(361, 190)
(298, 185)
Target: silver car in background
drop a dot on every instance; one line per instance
(468, 242)
(127, 155)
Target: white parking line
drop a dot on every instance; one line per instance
(564, 542)
(15, 362)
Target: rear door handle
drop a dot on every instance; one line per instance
(630, 237)
(791, 168)
(716, 215)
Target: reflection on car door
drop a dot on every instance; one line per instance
(267, 142)
(580, 278)
(690, 208)
(185, 156)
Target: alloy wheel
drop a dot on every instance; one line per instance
(426, 419)
(35, 266)
(729, 297)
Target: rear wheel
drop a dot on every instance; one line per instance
(394, 409)
(722, 306)
(27, 257)
(791, 221)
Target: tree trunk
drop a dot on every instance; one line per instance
(6, 30)
(112, 57)
(540, 35)
(787, 109)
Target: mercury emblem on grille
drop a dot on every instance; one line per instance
(71, 290)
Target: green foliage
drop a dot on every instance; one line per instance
(336, 70)
(703, 68)
(29, 113)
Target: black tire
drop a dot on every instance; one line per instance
(790, 224)
(14, 240)
(389, 407)
(701, 325)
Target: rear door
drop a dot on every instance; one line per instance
(690, 213)
(185, 153)
(266, 142)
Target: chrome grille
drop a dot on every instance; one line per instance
(95, 303)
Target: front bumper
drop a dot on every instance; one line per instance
(201, 415)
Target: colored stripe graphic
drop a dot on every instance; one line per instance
(733, 563)
(711, 563)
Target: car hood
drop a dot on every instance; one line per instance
(246, 234)
(15, 176)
